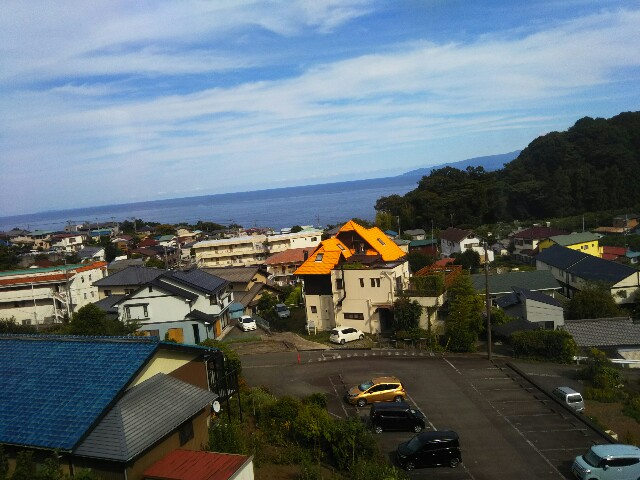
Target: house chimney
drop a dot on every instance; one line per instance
(305, 254)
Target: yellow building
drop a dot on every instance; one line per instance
(585, 242)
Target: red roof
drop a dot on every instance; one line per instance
(612, 253)
(22, 279)
(444, 261)
(190, 465)
(148, 242)
(292, 255)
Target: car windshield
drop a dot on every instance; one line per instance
(281, 308)
(574, 398)
(414, 444)
(591, 458)
(334, 332)
(365, 386)
(247, 320)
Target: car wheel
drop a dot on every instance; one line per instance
(361, 337)
(342, 341)
(361, 402)
(454, 462)
(409, 466)
(398, 398)
(417, 428)
(377, 429)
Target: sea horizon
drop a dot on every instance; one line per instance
(316, 204)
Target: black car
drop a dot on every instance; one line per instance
(428, 449)
(395, 416)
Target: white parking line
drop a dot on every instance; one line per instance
(339, 396)
(417, 407)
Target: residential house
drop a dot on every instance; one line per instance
(111, 405)
(245, 250)
(281, 266)
(148, 242)
(536, 308)
(92, 254)
(402, 244)
(426, 246)
(503, 284)
(42, 239)
(619, 337)
(67, 242)
(191, 465)
(612, 253)
(18, 236)
(248, 284)
(455, 240)
(627, 222)
(416, 234)
(124, 243)
(126, 281)
(185, 236)
(525, 242)
(585, 242)
(187, 307)
(574, 270)
(38, 296)
(167, 241)
(353, 279)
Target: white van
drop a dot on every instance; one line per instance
(569, 397)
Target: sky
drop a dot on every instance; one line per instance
(107, 102)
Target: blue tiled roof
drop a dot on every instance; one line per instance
(55, 387)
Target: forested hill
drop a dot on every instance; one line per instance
(593, 166)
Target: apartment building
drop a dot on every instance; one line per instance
(45, 295)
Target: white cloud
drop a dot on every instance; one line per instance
(349, 115)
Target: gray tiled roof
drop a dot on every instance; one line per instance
(144, 415)
(130, 276)
(107, 304)
(505, 282)
(604, 332)
(234, 274)
(537, 296)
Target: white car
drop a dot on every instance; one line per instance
(247, 323)
(345, 334)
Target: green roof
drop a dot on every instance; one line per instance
(423, 243)
(574, 238)
(504, 282)
(34, 271)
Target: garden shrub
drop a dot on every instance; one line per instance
(350, 441)
(227, 438)
(319, 399)
(632, 408)
(367, 469)
(601, 394)
(552, 345)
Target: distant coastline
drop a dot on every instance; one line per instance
(325, 203)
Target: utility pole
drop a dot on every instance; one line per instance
(487, 299)
(399, 232)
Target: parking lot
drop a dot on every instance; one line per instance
(508, 428)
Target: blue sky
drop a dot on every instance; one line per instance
(116, 101)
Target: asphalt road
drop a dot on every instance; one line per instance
(508, 427)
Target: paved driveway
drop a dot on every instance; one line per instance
(508, 428)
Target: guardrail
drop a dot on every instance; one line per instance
(619, 361)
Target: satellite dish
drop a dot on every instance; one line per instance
(216, 406)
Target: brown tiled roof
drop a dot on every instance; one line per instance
(292, 255)
(454, 234)
(538, 233)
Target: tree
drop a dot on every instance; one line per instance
(406, 314)
(8, 258)
(469, 259)
(154, 262)
(165, 229)
(418, 260)
(594, 301)
(296, 229)
(266, 306)
(90, 320)
(464, 322)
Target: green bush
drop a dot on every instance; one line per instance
(552, 345)
(231, 357)
(227, 438)
(460, 338)
(367, 469)
(602, 395)
(349, 442)
(319, 399)
(632, 408)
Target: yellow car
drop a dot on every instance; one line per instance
(379, 389)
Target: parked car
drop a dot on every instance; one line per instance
(379, 389)
(282, 310)
(345, 334)
(247, 323)
(396, 416)
(429, 449)
(569, 397)
(608, 462)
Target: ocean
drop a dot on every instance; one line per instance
(319, 205)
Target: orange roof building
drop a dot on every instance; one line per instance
(353, 278)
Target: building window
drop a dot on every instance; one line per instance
(354, 316)
(339, 284)
(145, 311)
(107, 293)
(127, 313)
(375, 282)
(362, 282)
(85, 296)
(92, 295)
(82, 279)
(186, 432)
(381, 242)
(314, 309)
(319, 257)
